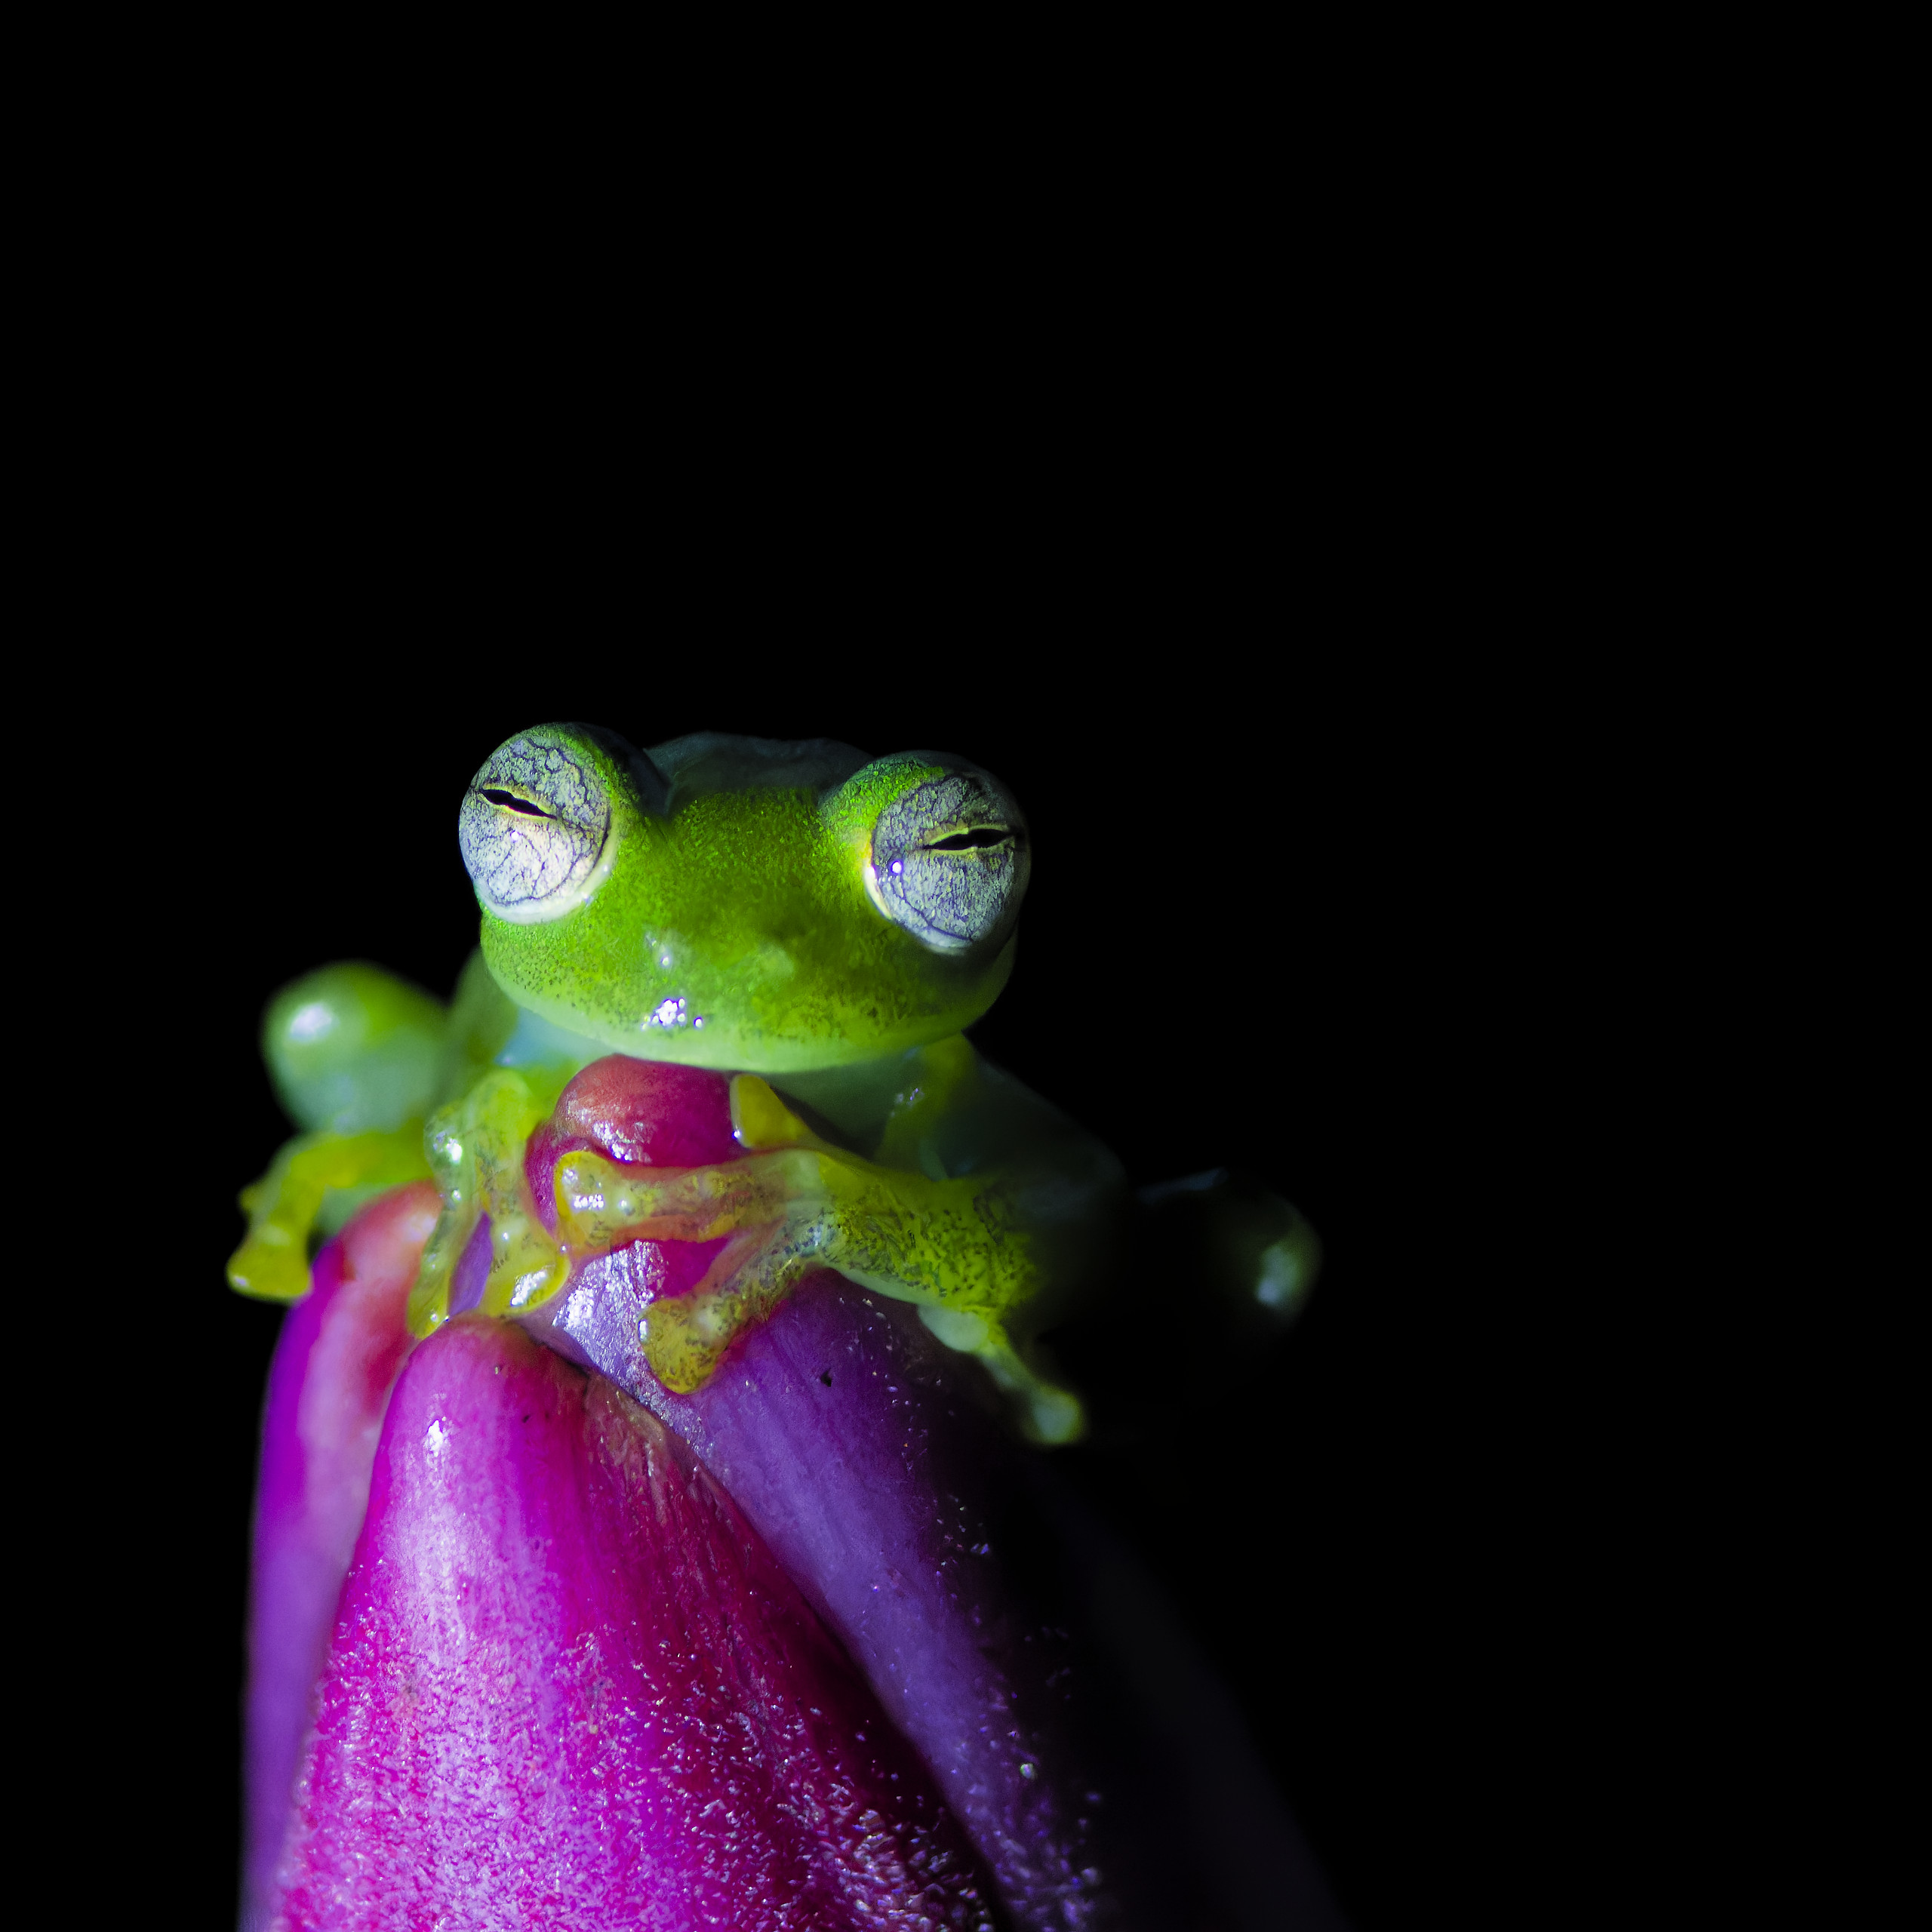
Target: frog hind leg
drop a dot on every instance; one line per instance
(354, 1054)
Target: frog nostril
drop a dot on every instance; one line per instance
(511, 802)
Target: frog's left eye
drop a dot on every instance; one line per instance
(533, 826)
(949, 861)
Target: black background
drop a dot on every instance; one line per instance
(1316, 835)
(1271, 922)
(1315, 514)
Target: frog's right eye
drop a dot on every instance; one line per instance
(534, 826)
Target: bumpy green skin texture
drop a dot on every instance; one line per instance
(778, 960)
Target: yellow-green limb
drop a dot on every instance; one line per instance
(1046, 1413)
(475, 1147)
(313, 1185)
(949, 1246)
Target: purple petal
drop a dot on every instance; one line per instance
(960, 1575)
(470, 1275)
(338, 1353)
(1096, 1764)
(570, 1687)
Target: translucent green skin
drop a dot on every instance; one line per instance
(737, 932)
(726, 924)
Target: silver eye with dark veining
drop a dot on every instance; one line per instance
(533, 826)
(949, 860)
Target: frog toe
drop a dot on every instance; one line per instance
(1044, 1412)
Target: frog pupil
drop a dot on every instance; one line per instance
(513, 802)
(977, 840)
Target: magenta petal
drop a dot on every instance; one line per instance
(339, 1350)
(644, 1113)
(570, 1687)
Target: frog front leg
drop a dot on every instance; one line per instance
(315, 1182)
(956, 1248)
(489, 1249)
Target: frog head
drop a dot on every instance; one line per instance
(743, 903)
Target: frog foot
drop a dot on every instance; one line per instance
(1044, 1412)
(490, 1249)
(793, 1204)
(684, 1336)
(316, 1182)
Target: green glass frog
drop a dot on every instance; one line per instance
(820, 925)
